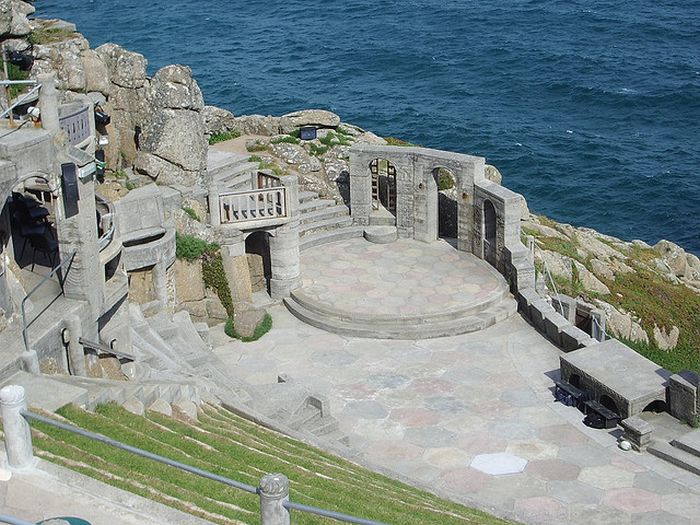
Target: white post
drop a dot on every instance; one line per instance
(274, 492)
(18, 435)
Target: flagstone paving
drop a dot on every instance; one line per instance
(473, 418)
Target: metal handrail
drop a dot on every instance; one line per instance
(104, 349)
(25, 326)
(289, 505)
(20, 101)
(4, 518)
(554, 286)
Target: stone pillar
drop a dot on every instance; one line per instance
(48, 102)
(30, 362)
(360, 189)
(76, 352)
(236, 265)
(291, 183)
(274, 492)
(18, 436)
(160, 283)
(284, 260)
(214, 211)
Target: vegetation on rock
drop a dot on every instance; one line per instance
(224, 136)
(45, 36)
(263, 327)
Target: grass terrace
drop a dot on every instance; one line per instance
(231, 446)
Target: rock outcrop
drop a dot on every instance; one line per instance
(13, 18)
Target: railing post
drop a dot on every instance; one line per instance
(18, 435)
(274, 492)
(214, 207)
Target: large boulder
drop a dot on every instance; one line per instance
(622, 324)
(96, 73)
(63, 58)
(492, 174)
(674, 257)
(162, 171)
(297, 156)
(218, 120)
(258, 125)
(309, 117)
(126, 68)
(178, 137)
(666, 340)
(173, 87)
(13, 18)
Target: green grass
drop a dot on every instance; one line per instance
(256, 146)
(333, 138)
(224, 136)
(48, 36)
(15, 73)
(287, 139)
(231, 446)
(318, 151)
(393, 141)
(193, 214)
(263, 327)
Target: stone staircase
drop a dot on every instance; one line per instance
(323, 221)
(471, 318)
(684, 451)
(230, 171)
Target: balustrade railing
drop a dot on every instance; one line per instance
(253, 205)
(76, 124)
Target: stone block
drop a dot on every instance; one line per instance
(683, 396)
(161, 406)
(638, 432)
(189, 283)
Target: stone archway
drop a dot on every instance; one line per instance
(656, 407)
(489, 233)
(383, 175)
(609, 403)
(446, 195)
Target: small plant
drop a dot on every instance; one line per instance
(48, 36)
(445, 180)
(193, 214)
(214, 277)
(190, 248)
(393, 141)
(129, 185)
(287, 139)
(224, 136)
(256, 146)
(263, 327)
(335, 139)
(317, 150)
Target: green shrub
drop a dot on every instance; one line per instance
(15, 73)
(224, 136)
(288, 139)
(193, 214)
(445, 180)
(215, 278)
(335, 139)
(263, 327)
(317, 150)
(190, 248)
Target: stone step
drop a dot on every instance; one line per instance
(496, 313)
(314, 204)
(321, 214)
(382, 220)
(305, 196)
(689, 442)
(239, 175)
(324, 225)
(391, 320)
(221, 161)
(324, 237)
(676, 456)
(381, 234)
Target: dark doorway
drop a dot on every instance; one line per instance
(447, 202)
(383, 185)
(489, 233)
(575, 380)
(608, 403)
(656, 407)
(257, 248)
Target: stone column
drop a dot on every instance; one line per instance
(160, 283)
(291, 183)
(48, 101)
(284, 260)
(76, 352)
(18, 436)
(360, 189)
(214, 211)
(274, 492)
(236, 265)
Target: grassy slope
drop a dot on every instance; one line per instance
(646, 294)
(234, 447)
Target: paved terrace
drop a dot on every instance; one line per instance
(471, 417)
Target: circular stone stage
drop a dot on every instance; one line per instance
(403, 290)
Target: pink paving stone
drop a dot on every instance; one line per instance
(394, 450)
(355, 391)
(632, 500)
(431, 386)
(553, 469)
(562, 435)
(464, 480)
(415, 417)
(626, 464)
(540, 509)
(482, 444)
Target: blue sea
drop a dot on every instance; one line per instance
(590, 109)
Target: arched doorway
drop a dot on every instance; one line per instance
(656, 407)
(257, 248)
(608, 403)
(446, 202)
(383, 185)
(489, 229)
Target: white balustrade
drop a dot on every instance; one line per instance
(253, 205)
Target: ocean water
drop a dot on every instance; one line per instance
(590, 109)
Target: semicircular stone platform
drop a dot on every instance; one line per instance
(403, 290)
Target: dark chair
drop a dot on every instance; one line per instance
(47, 246)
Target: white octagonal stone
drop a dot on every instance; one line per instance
(499, 464)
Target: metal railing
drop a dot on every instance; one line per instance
(4, 518)
(106, 222)
(22, 99)
(253, 205)
(273, 489)
(25, 326)
(76, 125)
